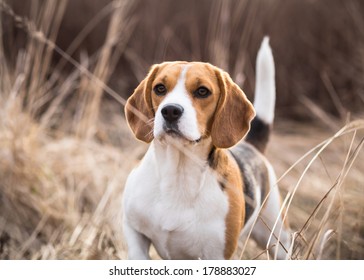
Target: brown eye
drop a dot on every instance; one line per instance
(202, 92)
(160, 89)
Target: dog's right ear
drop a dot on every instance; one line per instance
(139, 111)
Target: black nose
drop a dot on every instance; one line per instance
(172, 112)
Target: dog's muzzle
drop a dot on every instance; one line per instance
(172, 114)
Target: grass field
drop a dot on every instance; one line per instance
(65, 152)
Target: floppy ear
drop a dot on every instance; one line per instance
(138, 109)
(233, 114)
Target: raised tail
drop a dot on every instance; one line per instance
(265, 97)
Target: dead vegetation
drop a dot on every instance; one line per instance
(65, 149)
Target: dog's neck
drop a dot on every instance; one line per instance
(182, 165)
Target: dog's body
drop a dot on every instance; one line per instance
(191, 196)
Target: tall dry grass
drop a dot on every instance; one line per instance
(60, 185)
(330, 177)
(65, 149)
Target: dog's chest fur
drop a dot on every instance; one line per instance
(181, 207)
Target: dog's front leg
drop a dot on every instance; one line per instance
(138, 244)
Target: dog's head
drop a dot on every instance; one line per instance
(191, 102)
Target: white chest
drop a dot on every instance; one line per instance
(179, 207)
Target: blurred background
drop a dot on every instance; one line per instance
(318, 45)
(66, 68)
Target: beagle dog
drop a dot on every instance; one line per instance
(200, 186)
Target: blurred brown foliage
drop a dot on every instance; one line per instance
(318, 45)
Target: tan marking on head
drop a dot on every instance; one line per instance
(202, 75)
(228, 170)
(224, 115)
(168, 76)
(142, 104)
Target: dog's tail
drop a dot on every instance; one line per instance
(265, 96)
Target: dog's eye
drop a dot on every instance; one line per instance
(160, 89)
(202, 92)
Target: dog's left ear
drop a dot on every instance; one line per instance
(139, 110)
(233, 114)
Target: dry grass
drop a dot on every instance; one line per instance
(65, 152)
(58, 183)
(324, 188)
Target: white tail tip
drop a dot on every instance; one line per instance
(265, 88)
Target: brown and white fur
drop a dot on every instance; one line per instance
(200, 186)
